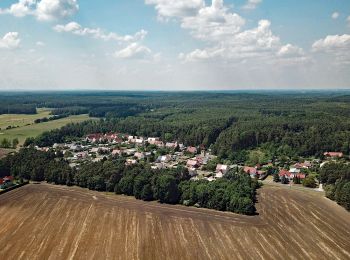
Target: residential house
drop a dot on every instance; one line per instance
(222, 168)
(139, 155)
(334, 154)
(171, 145)
(192, 149)
(291, 175)
(192, 164)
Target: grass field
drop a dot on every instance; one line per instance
(32, 130)
(54, 222)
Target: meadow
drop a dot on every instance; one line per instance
(25, 126)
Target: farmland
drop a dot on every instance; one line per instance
(44, 221)
(26, 127)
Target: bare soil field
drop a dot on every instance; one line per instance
(53, 222)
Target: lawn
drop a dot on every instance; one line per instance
(24, 131)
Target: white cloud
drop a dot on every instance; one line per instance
(98, 33)
(335, 48)
(176, 8)
(10, 41)
(134, 51)
(222, 31)
(213, 22)
(333, 43)
(290, 50)
(335, 15)
(44, 10)
(252, 4)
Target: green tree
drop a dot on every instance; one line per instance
(309, 182)
(167, 190)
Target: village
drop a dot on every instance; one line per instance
(200, 162)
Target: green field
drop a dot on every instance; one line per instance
(27, 128)
(22, 120)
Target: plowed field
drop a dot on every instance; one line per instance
(52, 222)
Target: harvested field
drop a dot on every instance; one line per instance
(52, 222)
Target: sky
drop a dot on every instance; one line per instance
(174, 44)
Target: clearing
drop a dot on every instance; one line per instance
(27, 128)
(55, 222)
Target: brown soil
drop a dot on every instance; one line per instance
(53, 222)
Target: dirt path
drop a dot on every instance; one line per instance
(54, 222)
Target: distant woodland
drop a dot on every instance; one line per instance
(254, 127)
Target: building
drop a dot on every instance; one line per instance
(222, 168)
(192, 164)
(192, 149)
(334, 154)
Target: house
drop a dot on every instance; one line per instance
(222, 168)
(334, 154)
(192, 164)
(291, 175)
(94, 138)
(304, 165)
(116, 152)
(164, 158)
(153, 140)
(130, 162)
(192, 149)
(81, 155)
(171, 145)
(139, 155)
(254, 172)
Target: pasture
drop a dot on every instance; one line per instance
(26, 127)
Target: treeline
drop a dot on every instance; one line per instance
(52, 118)
(235, 193)
(336, 178)
(5, 108)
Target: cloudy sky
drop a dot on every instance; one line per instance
(174, 44)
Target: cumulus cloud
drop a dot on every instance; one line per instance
(10, 41)
(290, 50)
(222, 31)
(98, 33)
(213, 23)
(333, 43)
(335, 47)
(176, 8)
(252, 4)
(134, 51)
(43, 10)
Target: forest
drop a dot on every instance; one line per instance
(280, 124)
(234, 193)
(336, 177)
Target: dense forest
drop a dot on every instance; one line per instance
(336, 177)
(235, 192)
(231, 124)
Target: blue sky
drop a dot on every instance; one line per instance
(174, 45)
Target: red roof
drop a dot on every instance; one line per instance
(2, 181)
(192, 149)
(284, 173)
(8, 178)
(250, 170)
(333, 154)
